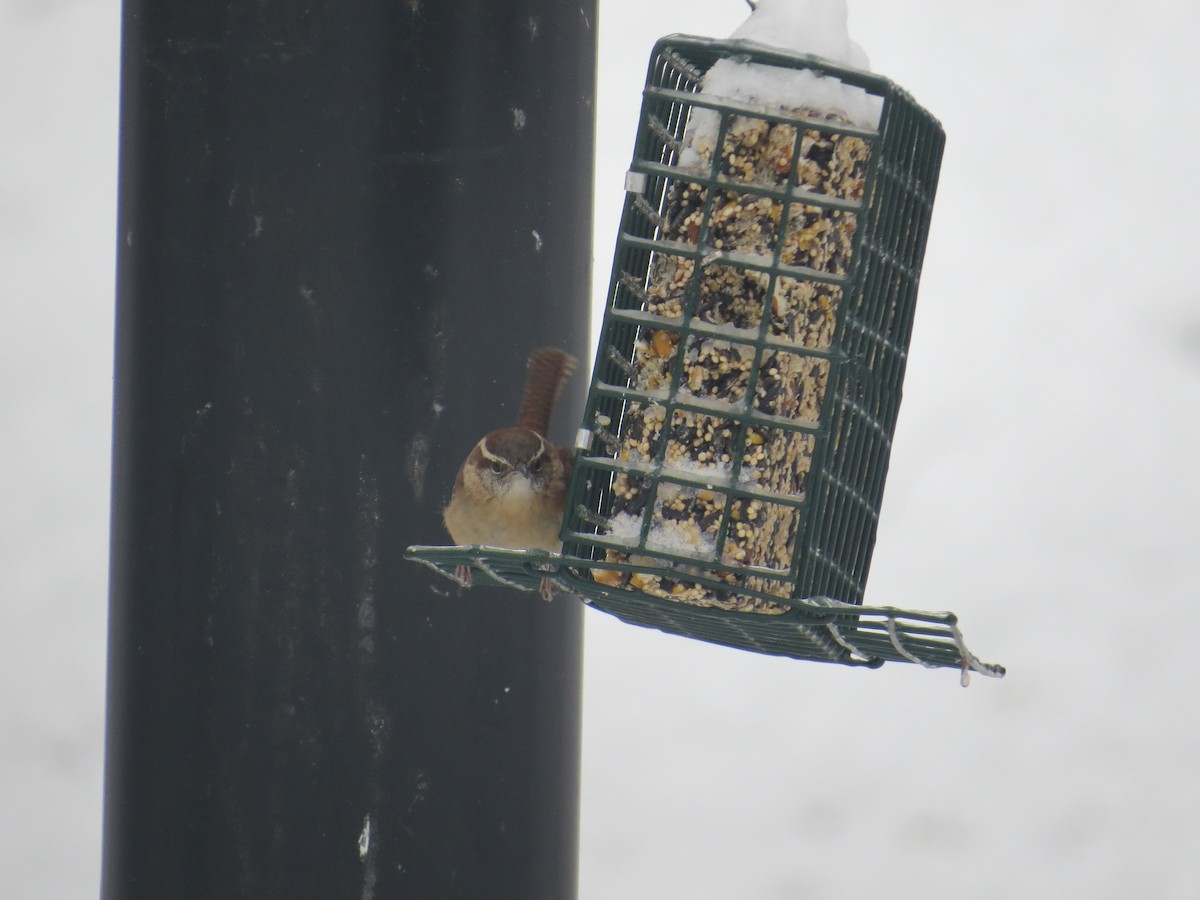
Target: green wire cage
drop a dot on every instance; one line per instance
(731, 464)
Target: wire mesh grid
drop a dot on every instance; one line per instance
(826, 513)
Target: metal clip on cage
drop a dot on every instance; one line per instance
(731, 464)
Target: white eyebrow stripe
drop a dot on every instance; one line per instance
(488, 454)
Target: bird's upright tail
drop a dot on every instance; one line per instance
(549, 369)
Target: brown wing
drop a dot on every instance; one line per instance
(549, 369)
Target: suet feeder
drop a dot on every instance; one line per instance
(730, 467)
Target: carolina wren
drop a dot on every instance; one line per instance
(512, 488)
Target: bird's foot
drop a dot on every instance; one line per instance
(462, 574)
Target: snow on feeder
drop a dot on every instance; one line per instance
(730, 468)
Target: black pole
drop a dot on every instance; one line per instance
(343, 225)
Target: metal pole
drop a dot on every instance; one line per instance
(342, 227)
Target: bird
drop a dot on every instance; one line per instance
(511, 490)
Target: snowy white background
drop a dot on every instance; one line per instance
(1043, 485)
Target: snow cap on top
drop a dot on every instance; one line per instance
(804, 26)
(813, 27)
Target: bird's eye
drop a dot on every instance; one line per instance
(498, 467)
(536, 465)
